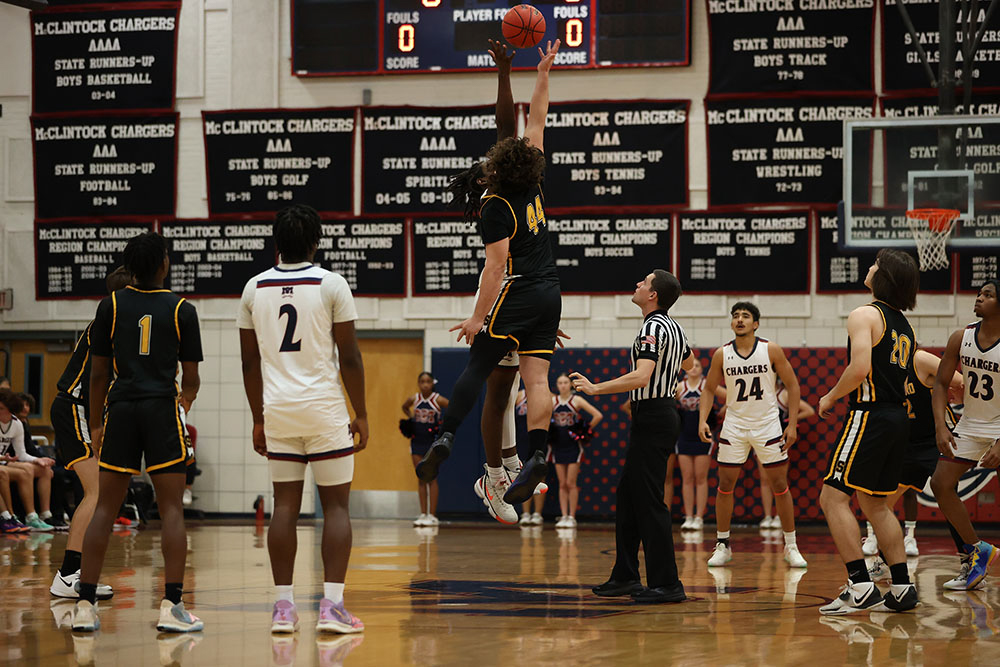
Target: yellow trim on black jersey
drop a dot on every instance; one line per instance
(536, 351)
(496, 309)
(114, 315)
(177, 323)
(180, 434)
(488, 197)
(145, 291)
(86, 358)
(840, 445)
(132, 471)
(857, 441)
(884, 325)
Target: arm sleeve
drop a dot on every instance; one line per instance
(100, 329)
(244, 315)
(338, 299)
(18, 442)
(650, 341)
(190, 343)
(496, 222)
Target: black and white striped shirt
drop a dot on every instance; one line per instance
(662, 340)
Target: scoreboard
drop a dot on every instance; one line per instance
(340, 37)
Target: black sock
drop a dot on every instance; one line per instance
(900, 575)
(857, 571)
(173, 592)
(959, 542)
(88, 592)
(71, 562)
(538, 439)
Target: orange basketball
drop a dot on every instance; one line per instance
(523, 26)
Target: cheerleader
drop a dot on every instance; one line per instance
(567, 434)
(423, 419)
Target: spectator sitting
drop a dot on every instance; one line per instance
(59, 483)
(13, 452)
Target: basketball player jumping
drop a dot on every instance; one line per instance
(747, 365)
(519, 301)
(868, 458)
(975, 440)
(297, 339)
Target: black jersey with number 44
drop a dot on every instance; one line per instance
(520, 218)
(892, 355)
(146, 333)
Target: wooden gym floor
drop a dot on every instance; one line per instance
(482, 594)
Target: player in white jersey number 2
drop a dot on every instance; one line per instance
(975, 439)
(297, 336)
(747, 365)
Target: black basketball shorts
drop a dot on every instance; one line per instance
(919, 464)
(149, 427)
(69, 421)
(870, 451)
(527, 312)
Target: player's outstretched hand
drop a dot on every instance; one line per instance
(704, 432)
(548, 55)
(581, 383)
(826, 405)
(259, 441)
(945, 442)
(359, 427)
(468, 329)
(560, 334)
(791, 435)
(498, 51)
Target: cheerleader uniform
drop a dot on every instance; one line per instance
(563, 447)
(426, 422)
(688, 442)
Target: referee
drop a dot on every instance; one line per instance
(659, 353)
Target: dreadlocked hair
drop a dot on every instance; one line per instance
(513, 166)
(297, 230)
(143, 256)
(118, 279)
(466, 190)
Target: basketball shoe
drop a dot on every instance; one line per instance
(175, 618)
(492, 496)
(335, 618)
(853, 598)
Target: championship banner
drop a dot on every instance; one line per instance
(211, 258)
(104, 57)
(409, 155)
(840, 271)
(370, 254)
(448, 256)
(976, 267)
(787, 46)
(616, 154)
(590, 248)
(780, 150)
(743, 253)
(72, 259)
(260, 161)
(110, 166)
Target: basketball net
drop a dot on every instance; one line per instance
(931, 228)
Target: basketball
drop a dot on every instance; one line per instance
(523, 26)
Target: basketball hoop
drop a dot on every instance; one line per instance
(931, 228)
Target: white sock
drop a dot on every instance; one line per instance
(46, 515)
(6, 516)
(719, 535)
(497, 475)
(511, 463)
(333, 592)
(30, 517)
(789, 537)
(284, 593)
(871, 529)
(909, 527)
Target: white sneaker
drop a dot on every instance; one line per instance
(188, 498)
(720, 556)
(175, 618)
(536, 519)
(561, 522)
(420, 521)
(793, 557)
(879, 571)
(697, 523)
(492, 495)
(688, 520)
(765, 523)
(910, 544)
(961, 580)
(870, 546)
(67, 587)
(525, 519)
(431, 521)
(853, 598)
(571, 522)
(85, 617)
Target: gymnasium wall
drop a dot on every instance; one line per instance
(235, 55)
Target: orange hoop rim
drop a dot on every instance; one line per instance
(937, 219)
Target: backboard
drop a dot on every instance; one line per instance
(911, 161)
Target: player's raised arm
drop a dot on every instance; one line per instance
(784, 370)
(712, 382)
(506, 119)
(535, 129)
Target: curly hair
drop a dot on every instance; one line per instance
(466, 189)
(143, 256)
(513, 166)
(297, 231)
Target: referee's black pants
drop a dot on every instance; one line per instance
(641, 515)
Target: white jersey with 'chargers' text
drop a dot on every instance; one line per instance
(292, 309)
(981, 372)
(750, 397)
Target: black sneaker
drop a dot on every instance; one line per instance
(901, 597)
(427, 469)
(523, 486)
(612, 588)
(58, 523)
(661, 594)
